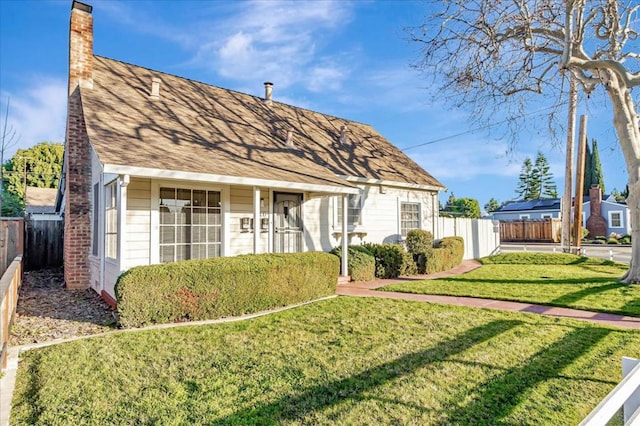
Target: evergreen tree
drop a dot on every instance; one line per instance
(492, 205)
(526, 188)
(587, 170)
(467, 207)
(596, 168)
(544, 178)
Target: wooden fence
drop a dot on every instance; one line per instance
(481, 236)
(11, 240)
(543, 230)
(9, 283)
(43, 244)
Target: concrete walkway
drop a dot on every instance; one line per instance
(368, 289)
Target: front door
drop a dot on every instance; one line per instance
(287, 223)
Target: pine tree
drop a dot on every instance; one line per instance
(587, 170)
(492, 205)
(544, 178)
(525, 189)
(597, 177)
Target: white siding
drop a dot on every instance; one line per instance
(94, 261)
(380, 217)
(138, 223)
(241, 199)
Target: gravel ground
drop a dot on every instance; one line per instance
(47, 311)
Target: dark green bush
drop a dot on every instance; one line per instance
(220, 287)
(361, 263)
(601, 238)
(391, 260)
(419, 241)
(447, 254)
(626, 239)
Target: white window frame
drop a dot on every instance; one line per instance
(546, 216)
(111, 236)
(402, 229)
(337, 214)
(524, 216)
(95, 221)
(222, 211)
(611, 213)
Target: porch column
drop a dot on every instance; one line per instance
(256, 220)
(122, 221)
(345, 237)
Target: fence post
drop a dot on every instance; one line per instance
(633, 402)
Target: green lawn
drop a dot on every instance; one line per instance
(590, 284)
(339, 361)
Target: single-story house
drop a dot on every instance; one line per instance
(615, 216)
(160, 168)
(40, 203)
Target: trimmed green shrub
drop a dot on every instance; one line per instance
(447, 254)
(419, 241)
(391, 260)
(361, 263)
(612, 241)
(228, 286)
(601, 238)
(625, 240)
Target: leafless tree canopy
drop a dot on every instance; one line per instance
(495, 54)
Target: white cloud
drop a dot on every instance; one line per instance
(37, 113)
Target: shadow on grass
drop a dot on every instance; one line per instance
(569, 298)
(536, 281)
(501, 394)
(297, 406)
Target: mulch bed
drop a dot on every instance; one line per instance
(47, 311)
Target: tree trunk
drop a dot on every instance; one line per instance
(625, 121)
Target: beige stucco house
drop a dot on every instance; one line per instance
(160, 168)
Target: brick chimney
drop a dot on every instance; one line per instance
(77, 212)
(596, 224)
(81, 47)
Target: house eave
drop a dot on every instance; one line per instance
(231, 180)
(392, 183)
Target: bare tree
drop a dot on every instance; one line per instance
(8, 139)
(496, 56)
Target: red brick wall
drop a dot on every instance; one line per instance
(77, 219)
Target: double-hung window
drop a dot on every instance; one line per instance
(409, 217)
(111, 220)
(354, 210)
(190, 224)
(615, 219)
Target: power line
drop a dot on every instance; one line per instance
(486, 126)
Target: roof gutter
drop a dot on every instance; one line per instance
(232, 180)
(393, 183)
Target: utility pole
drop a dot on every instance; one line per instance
(582, 151)
(568, 173)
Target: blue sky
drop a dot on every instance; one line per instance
(349, 59)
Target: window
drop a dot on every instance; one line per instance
(190, 224)
(354, 210)
(546, 216)
(409, 217)
(615, 219)
(96, 219)
(111, 220)
(524, 216)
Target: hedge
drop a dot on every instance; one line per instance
(391, 260)
(361, 263)
(213, 288)
(447, 254)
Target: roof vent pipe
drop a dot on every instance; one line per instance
(290, 138)
(268, 90)
(344, 138)
(155, 88)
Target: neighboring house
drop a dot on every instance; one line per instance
(160, 168)
(40, 203)
(615, 216)
(528, 209)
